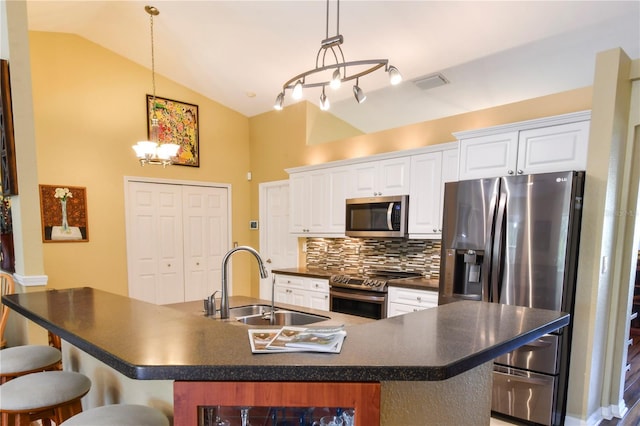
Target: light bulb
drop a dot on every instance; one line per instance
(324, 101)
(394, 75)
(335, 80)
(279, 101)
(297, 91)
(359, 94)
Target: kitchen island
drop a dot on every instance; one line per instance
(431, 365)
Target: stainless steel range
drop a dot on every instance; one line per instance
(364, 295)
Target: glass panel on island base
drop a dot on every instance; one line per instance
(275, 416)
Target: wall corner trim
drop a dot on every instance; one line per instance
(31, 280)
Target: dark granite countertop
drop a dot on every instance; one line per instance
(307, 272)
(146, 341)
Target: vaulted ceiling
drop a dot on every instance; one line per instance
(239, 53)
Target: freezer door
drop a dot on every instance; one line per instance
(522, 394)
(534, 239)
(468, 220)
(539, 355)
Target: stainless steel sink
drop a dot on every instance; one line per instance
(282, 318)
(243, 311)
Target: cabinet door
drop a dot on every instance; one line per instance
(308, 202)
(365, 180)
(281, 294)
(554, 148)
(413, 297)
(318, 300)
(338, 181)
(381, 178)
(488, 156)
(394, 176)
(395, 309)
(425, 198)
(298, 203)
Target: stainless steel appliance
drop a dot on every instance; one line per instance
(364, 295)
(514, 240)
(380, 217)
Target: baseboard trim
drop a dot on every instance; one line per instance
(31, 280)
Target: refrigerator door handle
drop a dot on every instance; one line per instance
(497, 252)
(487, 260)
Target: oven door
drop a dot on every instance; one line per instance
(362, 303)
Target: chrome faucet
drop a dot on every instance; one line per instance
(224, 301)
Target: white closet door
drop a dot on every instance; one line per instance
(156, 272)
(205, 239)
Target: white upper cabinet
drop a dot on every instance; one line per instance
(317, 201)
(308, 201)
(338, 181)
(429, 172)
(381, 178)
(554, 148)
(538, 146)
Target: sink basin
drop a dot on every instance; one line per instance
(283, 318)
(243, 311)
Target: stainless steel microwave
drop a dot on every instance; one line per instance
(380, 217)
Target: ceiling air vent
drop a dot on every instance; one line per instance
(430, 81)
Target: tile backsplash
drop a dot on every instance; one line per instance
(363, 254)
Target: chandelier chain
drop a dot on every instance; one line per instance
(153, 66)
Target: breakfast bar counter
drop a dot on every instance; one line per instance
(428, 348)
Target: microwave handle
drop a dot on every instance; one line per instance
(389, 213)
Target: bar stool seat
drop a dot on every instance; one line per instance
(119, 414)
(20, 360)
(53, 395)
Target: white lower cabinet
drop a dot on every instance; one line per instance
(402, 300)
(305, 292)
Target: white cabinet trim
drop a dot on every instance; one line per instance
(525, 125)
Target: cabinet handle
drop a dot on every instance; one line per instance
(520, 172)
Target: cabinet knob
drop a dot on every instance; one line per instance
(419, 299)
(197, 263)
(435, 230)
(520, 172)
(268, 260)
(510, 172)
(168, 265)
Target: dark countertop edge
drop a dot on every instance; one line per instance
(317, 373)
(308, 373)
(123, 367)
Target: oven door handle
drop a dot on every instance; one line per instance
(358, 296)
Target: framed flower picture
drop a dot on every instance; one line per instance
(179, 124)
(63, 210)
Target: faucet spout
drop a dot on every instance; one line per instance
(224, 301)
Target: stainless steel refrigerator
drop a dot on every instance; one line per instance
(514, 240)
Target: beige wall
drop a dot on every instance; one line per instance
(89, 108)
